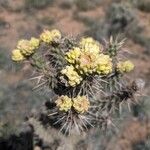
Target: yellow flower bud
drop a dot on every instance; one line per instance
(46, 36)
(35, 42)
(86, 63)
(25, 47)
(90, 45)
(50, 36)
(56, 35)
(104, 64)
(81, 104)
(124, 67)
(64, 103)
(17, 55)
(72, 76)
(73, 55)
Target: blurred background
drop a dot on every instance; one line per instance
(97, 18)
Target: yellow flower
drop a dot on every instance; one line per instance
(25, 47)
(35, 42)
(64, 103)
(73, 54)
(86, 63)
(125, 66)
(46, 36)
(104, 64)
(90, 45)
(56, 35)
(73, 77)
(50, 36)
(17, 55)
(81, 104)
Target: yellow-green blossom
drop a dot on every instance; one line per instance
(64, 103)
(90, 45)
(50, 36)
(125, 66)
(25, 47)
(73, 55)
(86, 63)
(81, 104)
(46, 36)
(56, 35)
(17, 55)
(104, 64)
(73, 77)
(35, 42)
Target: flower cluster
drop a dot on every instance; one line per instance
(28, 47)
(25, 48)
(84, 56)
(88, 58)
(50, 36)
(80, 103)
(87, 62)
(125, 67)
(72, 75)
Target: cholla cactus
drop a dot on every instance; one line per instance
(86, 77)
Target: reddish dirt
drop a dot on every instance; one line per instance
(133, 133)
